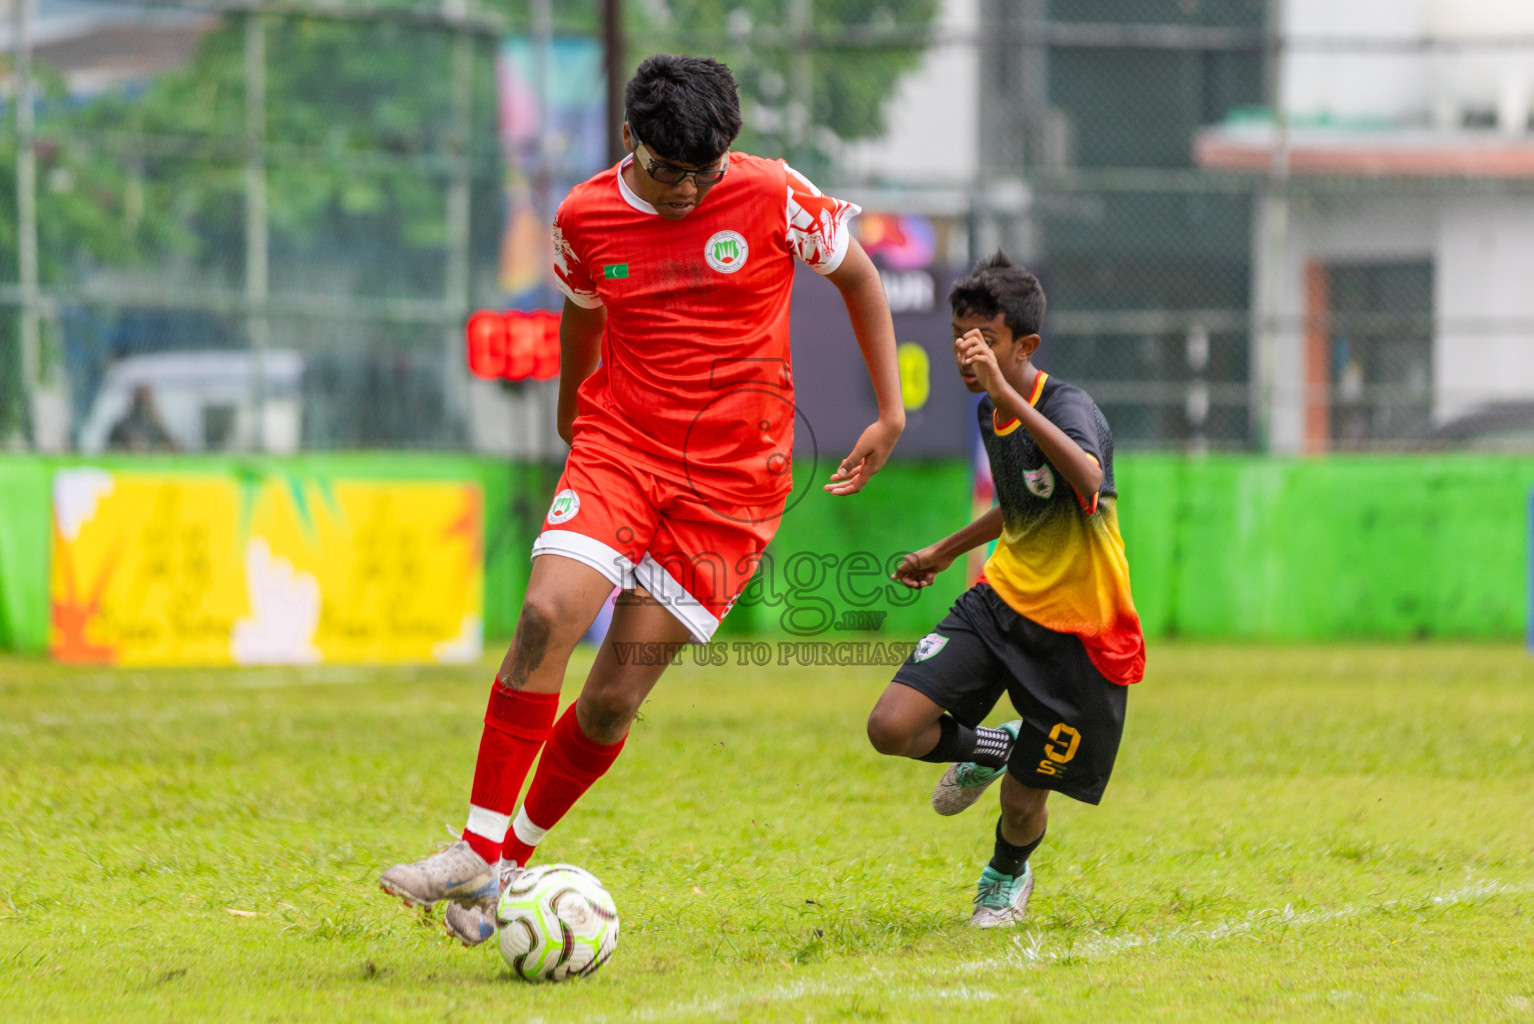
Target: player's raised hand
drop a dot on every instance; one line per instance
(868, 457)
(919, 568)
(976, 359)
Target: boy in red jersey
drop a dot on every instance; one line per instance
(676, 396)
(1051, 622)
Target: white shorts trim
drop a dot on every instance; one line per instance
(649, 573)
(691, 612)
(608, 561)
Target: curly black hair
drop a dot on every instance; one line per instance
(684, 108)
(996, 285)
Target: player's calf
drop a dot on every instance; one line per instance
(608, 708)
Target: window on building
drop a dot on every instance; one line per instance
(1381, 351)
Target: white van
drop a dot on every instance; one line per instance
(205, 401)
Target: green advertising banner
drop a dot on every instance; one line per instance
(1346, 547)
(1220, 548)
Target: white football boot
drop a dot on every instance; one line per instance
(476, 922)
(962, 784)
(1002, 900)
(454, 872)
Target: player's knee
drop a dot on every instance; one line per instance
(887, 732)
(550, 612)
(1020, 802)
(606, 712)
(537, 637)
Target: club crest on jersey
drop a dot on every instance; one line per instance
(566, 504)
(726, 251)
(929, 646)
(1041, 481)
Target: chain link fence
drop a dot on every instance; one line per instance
(235, 225)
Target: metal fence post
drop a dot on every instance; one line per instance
(456, 277)
(26, 213)
(257, 282)
(1272, 231)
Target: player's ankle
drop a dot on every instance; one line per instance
(488, 849)
(1011, 859)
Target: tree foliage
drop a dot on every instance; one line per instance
(359, 141)
(801, 103)
(360, 133)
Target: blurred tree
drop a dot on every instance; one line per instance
(361, 135)
(799, 102)
(90, 209)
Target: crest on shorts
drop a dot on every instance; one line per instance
(929, 646)
(726, 251)
(566, 504)
(1041, 481)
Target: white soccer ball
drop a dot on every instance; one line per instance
(556, 922)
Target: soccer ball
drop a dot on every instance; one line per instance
(556, 922)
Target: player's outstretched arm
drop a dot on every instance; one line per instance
(580, 346)
(858, 281)
(920, 568)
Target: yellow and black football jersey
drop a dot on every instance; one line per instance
(1060, 559)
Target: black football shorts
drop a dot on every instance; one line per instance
(1073, 717)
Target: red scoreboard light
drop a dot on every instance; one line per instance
(514, 345)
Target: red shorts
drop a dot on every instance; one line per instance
(693, 553)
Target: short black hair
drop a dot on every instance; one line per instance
(684, 108)
(996, 285)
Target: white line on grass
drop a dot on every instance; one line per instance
(1028, 952)
(1031, 950)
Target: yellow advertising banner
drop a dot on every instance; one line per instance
(169, 569)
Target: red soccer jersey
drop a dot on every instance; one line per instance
(695, 380)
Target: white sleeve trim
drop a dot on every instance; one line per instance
(813, 221)
(585, 300)
(843, 243)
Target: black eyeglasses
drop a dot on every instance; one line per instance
(671, 174)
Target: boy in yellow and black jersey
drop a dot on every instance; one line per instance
(1051, 622)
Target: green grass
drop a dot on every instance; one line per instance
(1339, 833)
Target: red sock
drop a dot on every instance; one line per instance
(571, 763)
(516, 724)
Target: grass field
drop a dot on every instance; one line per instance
(1340, 833)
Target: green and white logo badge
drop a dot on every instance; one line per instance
(929, 646)
(615, 271)
(726, 251)
(566, 504)
(1040, 481)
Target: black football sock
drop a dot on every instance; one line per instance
(955, 742)
(987, 747)
(1009, 859)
